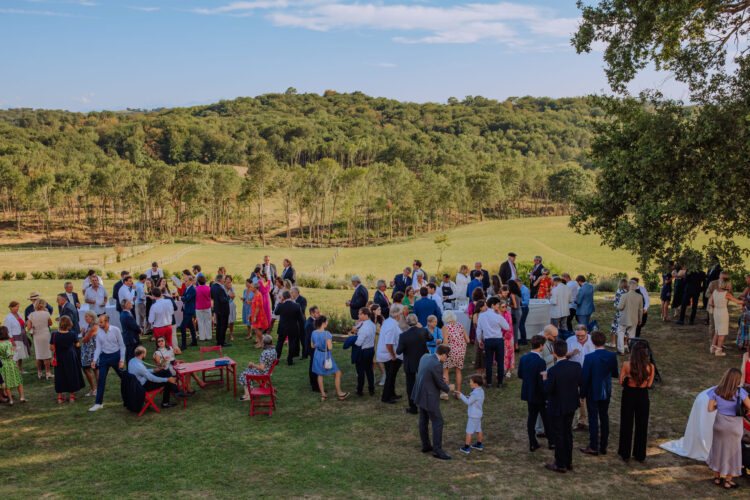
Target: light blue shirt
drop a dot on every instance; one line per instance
(140, 293)
(109, 342)
(474, 402)
(525, 296)
(137, 368)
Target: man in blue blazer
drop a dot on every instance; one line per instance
(359, 298)
(584, 301)
(532, 389)
(599, 368)
(131, 332)
(68, 309)
(426, 307)
(401, 281)
(188, 313)
(561, 383)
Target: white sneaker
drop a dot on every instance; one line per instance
(382, 380)
(609, 344)
(720, 352)
(96, 407)
(507, 374)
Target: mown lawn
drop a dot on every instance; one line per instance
(358, 447)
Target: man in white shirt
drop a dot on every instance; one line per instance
(574, 287)
(127, 291)
(432, 293)
(386, 353)
(490, 326)
(161, 316)
(560, 301)
(154, 271)
(96, 297)
(109, 352)
(579, 346)
(90, 279)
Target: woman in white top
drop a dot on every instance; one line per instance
(164, 357)
(232, 306)
(16, 331)
(366, 343)
(38, 325)
(462, 282)
(718, 301)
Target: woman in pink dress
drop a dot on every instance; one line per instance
(264, 288)
(510, 358)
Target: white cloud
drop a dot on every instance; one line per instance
(34, 12)
(144, 9)
(513, 24)
(84, 99)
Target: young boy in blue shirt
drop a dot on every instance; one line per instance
(474, 402)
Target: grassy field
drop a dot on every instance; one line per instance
(358, 447)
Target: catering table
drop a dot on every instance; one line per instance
(538, 316)
(463, 319)
(185, 370)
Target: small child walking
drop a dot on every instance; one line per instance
(474, 423)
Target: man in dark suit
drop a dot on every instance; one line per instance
(302, 303)
(413, 345)
(131, 332)
(485, 278)
(221, 310)
(599, 368)
(426, 396)
(532, 389)
(65, 308)
(534, 275)
(291, 325)
(359, 298)
(71, 296)
(694, 284)
(401, 281)
(561, 384)
(381, 299)
(267, 269)
(508, 270)
(288, 273)
(188, 313)
(116, 290)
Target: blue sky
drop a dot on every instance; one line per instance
(96, 54)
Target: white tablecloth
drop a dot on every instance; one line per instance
(699, 434)
(538, 316)
(463, 319)
(110, 310)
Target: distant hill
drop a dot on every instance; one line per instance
(333, 168)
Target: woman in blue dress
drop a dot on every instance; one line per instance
(322, 343)
(247, 302)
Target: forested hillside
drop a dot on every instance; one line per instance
(343, 168)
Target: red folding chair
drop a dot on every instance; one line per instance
(262, 396)
(212, 380)
(149, 401)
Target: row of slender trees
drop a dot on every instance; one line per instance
(314, 169)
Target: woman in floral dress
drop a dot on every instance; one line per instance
(88, 346)
(456, 338)
(11, 373)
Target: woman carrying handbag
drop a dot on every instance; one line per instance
(323, 364)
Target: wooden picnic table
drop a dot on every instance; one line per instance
(185, 370)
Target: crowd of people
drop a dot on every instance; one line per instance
(425, 325)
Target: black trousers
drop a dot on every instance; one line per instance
(187, 324)
(389, 389)
(598, 417)
(494, 350)
(634, 409)
(643, 323)
(129, 352)
(222, 320)
(562, 431)
(411, 378)
(437, 429)
(169, 387)
(689, 295)
(293, 346)
(535, 410)
(364, 369)
(571, 318)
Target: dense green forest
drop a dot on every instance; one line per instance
(336, 168)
